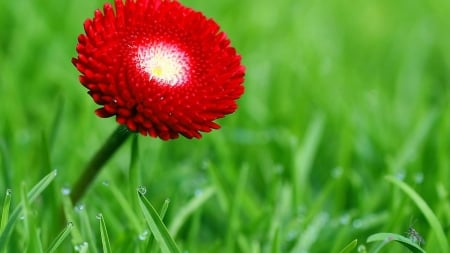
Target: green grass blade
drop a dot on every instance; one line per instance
(275, 248)
(127, 209)
(133, 168)
(311, 233)
(134, 176)
(162, 213)
(164, 208)
(426, 211)
(5, 210)
(220, 186)
(60, 238)
(104, 234)
(349, 247)
(414, 141)
(386, 238)
(88, 237)
(31, 196)
(304, 155)
(31, 229)
(56, 123)
(234, 221)
(78, 241)
(157, 227)
(188, 209)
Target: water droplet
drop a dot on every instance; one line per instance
(400, 175)
(81, 246)
(143, 235)
(79, 207)
(161, 98)
(291, 235)
(22, 217)
(418, 178)
(142, 190)
(362, 248)
(345, 219)
(99, 216)
(198, 192)
(357, 223)
(8, 192)
(105, 183)
(65, 191)
(69, 224)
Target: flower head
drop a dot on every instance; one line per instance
(161, 68)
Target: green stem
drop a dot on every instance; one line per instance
(93, 168)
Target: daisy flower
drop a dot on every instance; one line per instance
(162, 69)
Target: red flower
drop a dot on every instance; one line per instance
(161, 68)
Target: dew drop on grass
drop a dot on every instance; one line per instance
(22, 217)
(65, 191)
(105, 183)
(8, 192)
(81, 246)
(362, 249)
(198, 192)
(357, 223)
(143, 235)
(345, 219)
(79, 208)
(142, 190)
(418, 178)
(291, 235)
(400, 175)
(99, 216)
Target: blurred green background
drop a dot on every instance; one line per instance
(339, 94)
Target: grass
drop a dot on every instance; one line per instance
(339, 97)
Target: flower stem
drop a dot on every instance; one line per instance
(95, 165)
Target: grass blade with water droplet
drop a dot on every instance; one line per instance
(157, 227)
(104, 234)
(5, 210)
(31, 196)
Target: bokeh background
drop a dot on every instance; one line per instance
(339, 94)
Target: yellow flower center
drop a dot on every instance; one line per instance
(164, 63)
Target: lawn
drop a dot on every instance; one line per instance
(342, 137)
